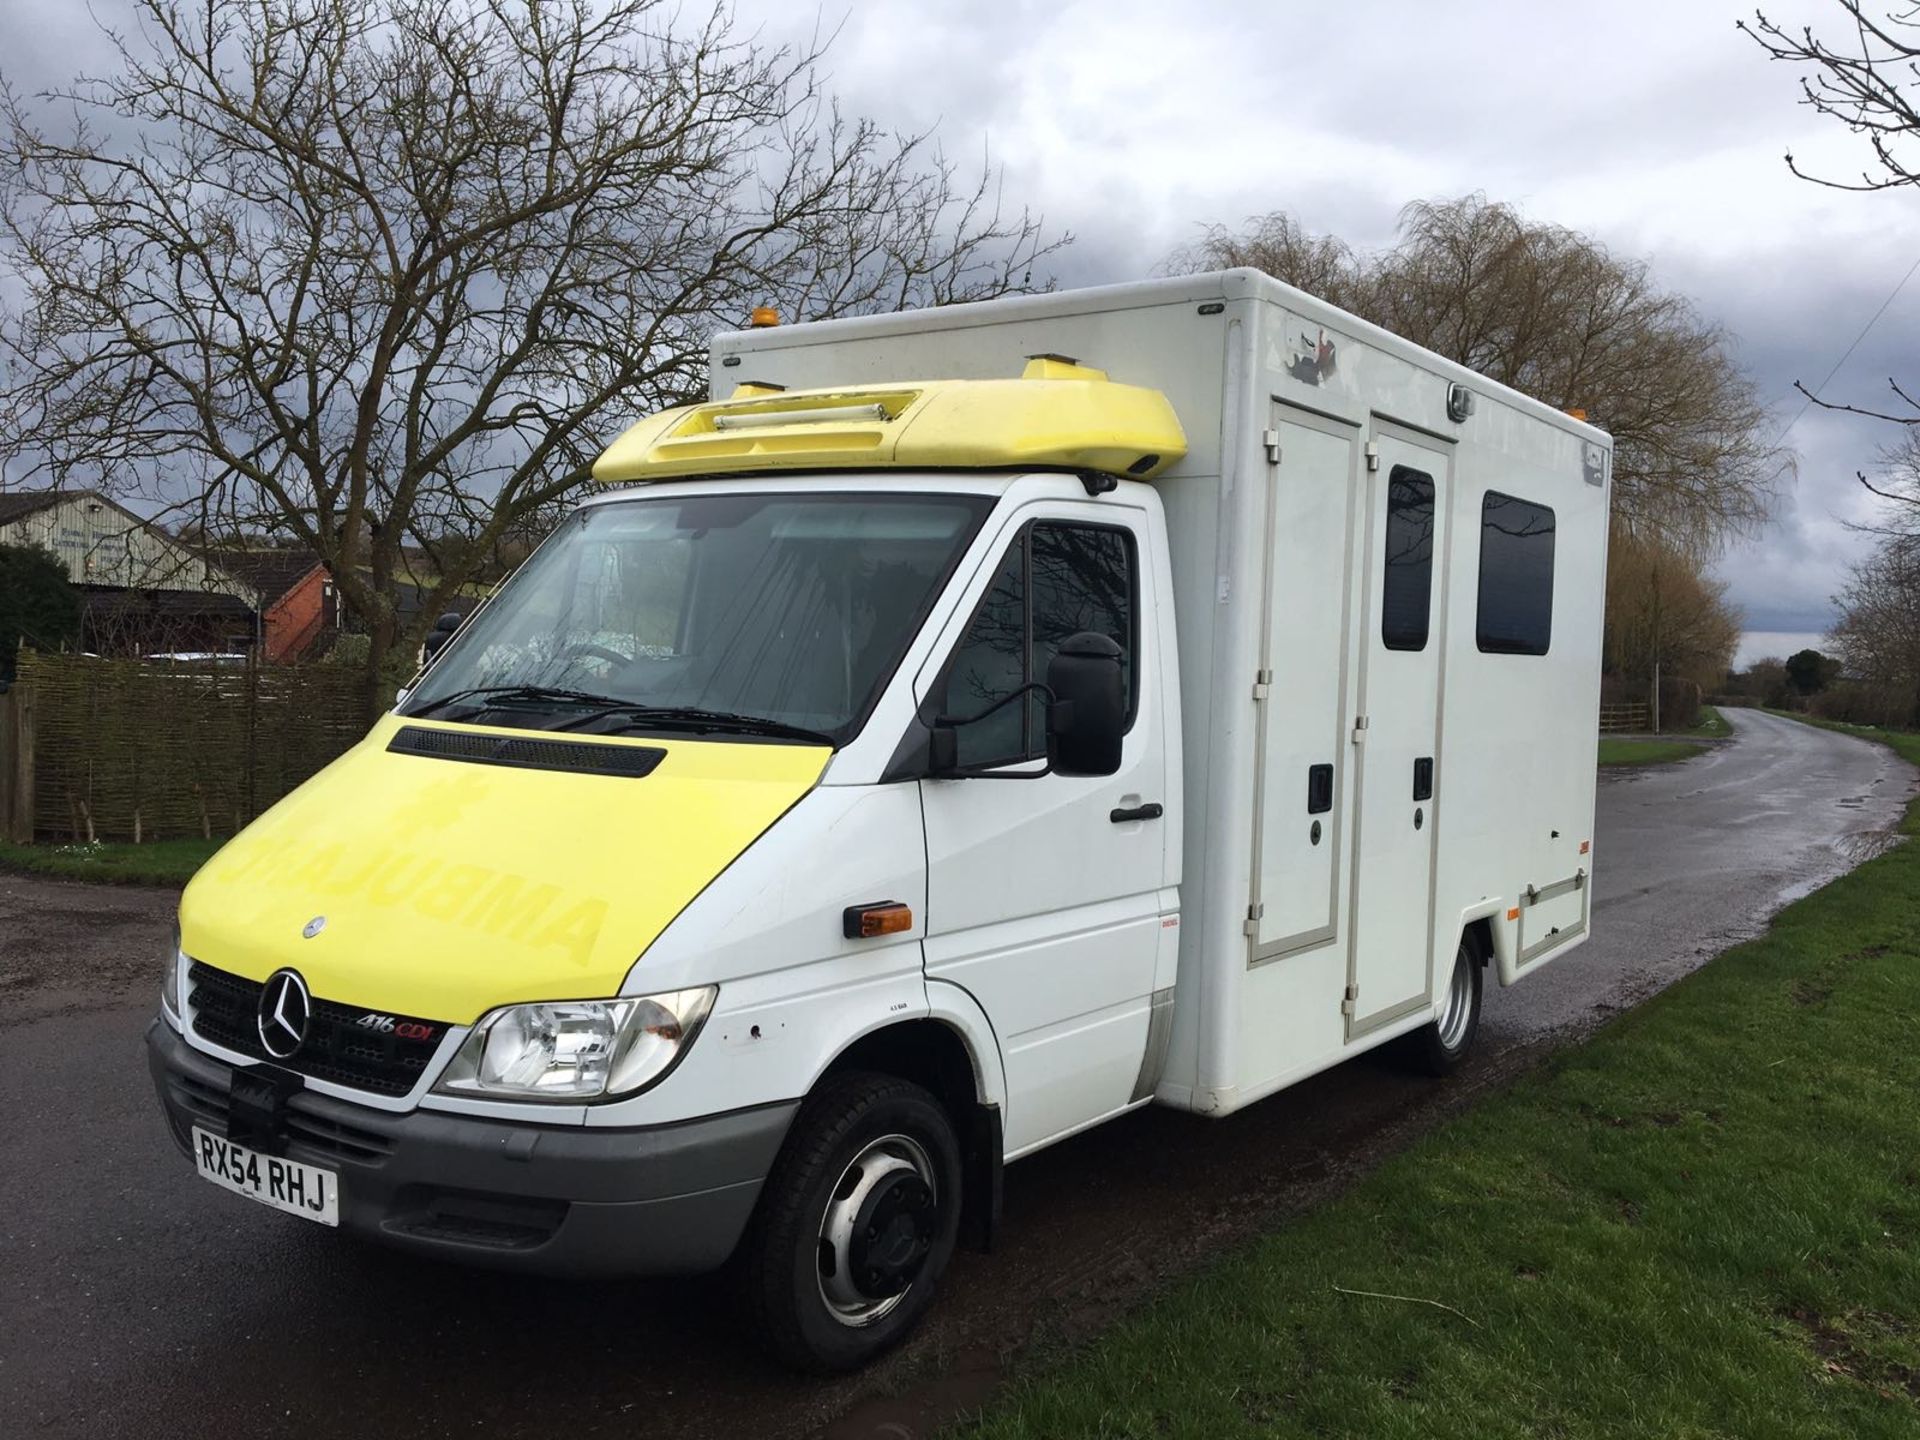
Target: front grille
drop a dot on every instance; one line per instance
(338, 1048)
(311, 1135)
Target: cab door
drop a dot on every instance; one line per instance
(1400, 786)
(1043, 895)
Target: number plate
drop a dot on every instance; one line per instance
(303, 1190)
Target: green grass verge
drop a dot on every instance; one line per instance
(1704, 1222)
(159, 862)
(1645, 752)
(1902, 740)
(1711, 724)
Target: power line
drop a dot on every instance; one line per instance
(1884, 305)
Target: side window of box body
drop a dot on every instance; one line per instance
(1515, 611)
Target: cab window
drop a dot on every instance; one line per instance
(1057, 579)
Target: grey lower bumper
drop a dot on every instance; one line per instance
(554, 1199)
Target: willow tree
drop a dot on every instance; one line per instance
(367, 273)
(1554, 314)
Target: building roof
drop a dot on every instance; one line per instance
(269, 572)
(104, 600)
(18, 504)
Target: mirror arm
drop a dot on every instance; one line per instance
(954, 722)
(1040, 774)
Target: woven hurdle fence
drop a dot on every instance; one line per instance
(130, 750)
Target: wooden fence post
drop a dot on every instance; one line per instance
(16, 765)
(7, 702)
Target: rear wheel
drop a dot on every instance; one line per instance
(1440, 1048)
(856, 1224)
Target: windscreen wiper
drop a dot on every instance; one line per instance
(533, 694)
(636, 716)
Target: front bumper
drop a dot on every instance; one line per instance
(551, 1199)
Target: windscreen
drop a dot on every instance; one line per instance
(790, 608)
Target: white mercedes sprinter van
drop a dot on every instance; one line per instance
(969, 726)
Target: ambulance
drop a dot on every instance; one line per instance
(969, 726)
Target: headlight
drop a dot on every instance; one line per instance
(577, 1049)
(170, 987)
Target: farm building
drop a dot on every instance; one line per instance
(298, 603)
(144, 591)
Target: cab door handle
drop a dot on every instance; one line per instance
(1152, 810)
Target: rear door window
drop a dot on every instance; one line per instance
(1406, 589)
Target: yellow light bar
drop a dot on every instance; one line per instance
(1058, 415)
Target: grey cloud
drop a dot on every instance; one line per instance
(1648, 123)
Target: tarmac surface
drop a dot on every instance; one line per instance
(138, 1300)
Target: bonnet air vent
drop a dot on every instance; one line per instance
(625, 761)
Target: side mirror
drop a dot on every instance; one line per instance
(1088, 717)
(442, 632)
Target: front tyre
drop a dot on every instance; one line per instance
(856, 1223)
(1440, 1048)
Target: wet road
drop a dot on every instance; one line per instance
(138, 1300)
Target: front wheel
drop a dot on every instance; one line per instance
(856, 1224)
(1440, 1048)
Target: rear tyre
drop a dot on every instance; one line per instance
(1439, 1048)
(856, 1223)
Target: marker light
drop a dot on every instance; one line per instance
(764, 317)
(864, 922)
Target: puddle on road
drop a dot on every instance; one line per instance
(1849, 851)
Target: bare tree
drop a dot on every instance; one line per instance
(1553, 313)
(1877, 637)
(1322, 265)
(1868, 79)
(371, 273)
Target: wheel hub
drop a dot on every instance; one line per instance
(891, 1235)
(878, 1230)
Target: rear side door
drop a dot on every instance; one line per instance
(1304, 766)
(1044, 895)
(1399, 781)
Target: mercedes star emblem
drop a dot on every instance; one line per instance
(284, 1006)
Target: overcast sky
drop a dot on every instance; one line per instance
(1650, 124)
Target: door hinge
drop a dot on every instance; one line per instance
(1262, 683)
(1359, 729)
(1373, 456)
(1350, 1004)
(1271, 439)
(1252, 927)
